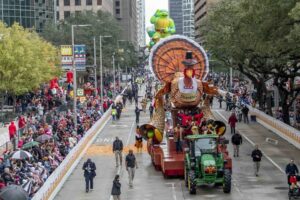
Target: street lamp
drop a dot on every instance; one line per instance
(101, 67)
(75, 74)
(114, 73)
(95, 66)
(118, 62)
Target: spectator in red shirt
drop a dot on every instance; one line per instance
(12, 129)
(232, 122)
(21, 124)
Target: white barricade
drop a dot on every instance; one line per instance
(56, 180)
(289, 133)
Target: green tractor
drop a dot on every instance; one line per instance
(207, 162)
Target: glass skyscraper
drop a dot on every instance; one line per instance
(28, 13)
(182, 12)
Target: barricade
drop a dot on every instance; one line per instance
(56, 180)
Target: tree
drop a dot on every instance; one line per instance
(102, 23)
(26, 60)
(260, 39)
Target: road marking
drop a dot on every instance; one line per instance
(253, 144)
(173, 190)
(131, 130)
(272, 141)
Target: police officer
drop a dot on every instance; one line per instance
(89, 168)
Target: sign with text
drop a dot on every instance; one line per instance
(80, 56)
(66, 56)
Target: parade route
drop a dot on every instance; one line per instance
(150, 184)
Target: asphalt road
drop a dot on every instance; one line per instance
(150, 184)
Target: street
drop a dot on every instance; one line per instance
(150, 184)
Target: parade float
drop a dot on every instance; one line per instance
(181, 66)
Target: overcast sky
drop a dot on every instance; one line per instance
(151, 7)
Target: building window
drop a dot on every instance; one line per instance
(66, 2)
(57, 2)
(99, 2)
(89, 2)
(77, 2)
(57, 15)
(67, 14)
(117, 3)
(77, 13)
(117, 11)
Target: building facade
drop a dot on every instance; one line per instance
(141, 23)
(125, 11)
(175, 12)
(188, 18)
(66, 8)
(182, 12)
(28, 13)
(201, 8)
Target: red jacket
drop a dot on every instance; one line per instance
(232, 120)
(198, 118)
(12, 130)
(21, 122)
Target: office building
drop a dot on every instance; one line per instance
(188, 18)
(201, 9)
(141, 21)
(182, 12)
(66, 8)
(125, 11)
(28, 13)
(175, 12)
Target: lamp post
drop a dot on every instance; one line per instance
(95, 66)
(114, 73)
(75, 75)
(101, 68)
(118, 44)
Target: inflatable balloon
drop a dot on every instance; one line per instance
(163, 27)
(150, 134)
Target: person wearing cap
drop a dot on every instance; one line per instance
(291, 169)
(89, 168)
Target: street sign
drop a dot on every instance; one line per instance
(80, 92)
(80, 56)
(66, 56)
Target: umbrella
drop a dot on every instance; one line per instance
(13, 192)
(29, 145)
(21, 155)
(43, 138)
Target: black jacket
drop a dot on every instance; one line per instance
(89, 168)
(118, 145)
(291, 169)
(116, 188)
(236, 139)
(256, 155)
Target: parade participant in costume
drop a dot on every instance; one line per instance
(138, 140)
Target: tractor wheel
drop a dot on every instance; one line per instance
(227, 182)
(186, 182)
(191, 186)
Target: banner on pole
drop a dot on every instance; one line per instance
(66, 56)
(80, 56)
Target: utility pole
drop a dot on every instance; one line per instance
(95, 66)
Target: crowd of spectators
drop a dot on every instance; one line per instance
(45, 129)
